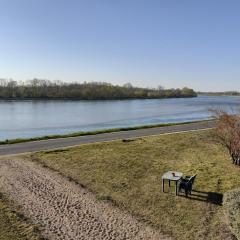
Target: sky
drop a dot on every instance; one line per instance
(172, 43)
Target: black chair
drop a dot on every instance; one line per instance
(186, 184)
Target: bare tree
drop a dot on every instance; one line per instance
(227, 132)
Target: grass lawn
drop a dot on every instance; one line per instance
(13, 226)
(129, 174)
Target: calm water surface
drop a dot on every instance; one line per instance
(20, 119)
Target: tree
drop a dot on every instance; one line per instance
(11, 87)
(187, 92)
(45, 89)
(127, 85)
(227, 132)
(160, 88)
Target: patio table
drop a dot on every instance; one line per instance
(171, 176)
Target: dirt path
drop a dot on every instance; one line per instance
(63, 209)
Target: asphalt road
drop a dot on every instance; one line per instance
(72, 141)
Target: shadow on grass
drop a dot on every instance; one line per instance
(208, 197)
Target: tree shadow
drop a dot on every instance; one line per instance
(208, 197)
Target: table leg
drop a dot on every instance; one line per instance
(169, 183)
(162, 185)
(176, 188)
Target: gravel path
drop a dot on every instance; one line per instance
(63, 209)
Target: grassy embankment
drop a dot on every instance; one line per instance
(14, 225)
(78, 134)
(129, 175)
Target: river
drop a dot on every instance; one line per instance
(23, 119)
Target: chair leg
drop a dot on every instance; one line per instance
(190, 190)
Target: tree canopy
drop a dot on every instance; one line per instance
(45, 89)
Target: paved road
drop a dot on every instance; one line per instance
(67, 142)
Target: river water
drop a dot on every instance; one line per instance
(19, 119)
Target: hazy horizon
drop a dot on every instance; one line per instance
(147, 43)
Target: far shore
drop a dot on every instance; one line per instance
(93, 99)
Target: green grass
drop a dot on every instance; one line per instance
(13, 225)
(129, 175)
(78, 134)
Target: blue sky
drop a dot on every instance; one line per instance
(173, 43)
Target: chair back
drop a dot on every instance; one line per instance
(192, 178)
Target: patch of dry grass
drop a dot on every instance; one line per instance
(232, 210)
(14, 226)
(129, 174)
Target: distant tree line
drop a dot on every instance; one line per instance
(227, 93)
(45, 89)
